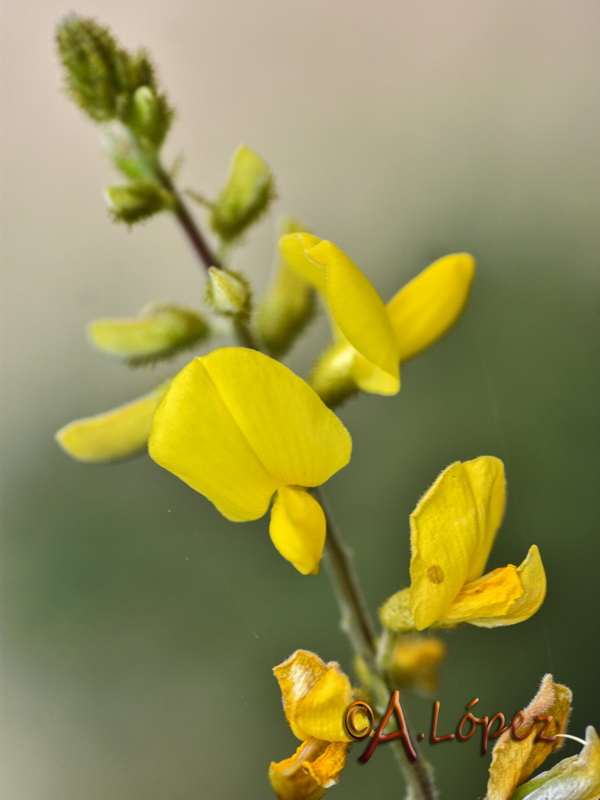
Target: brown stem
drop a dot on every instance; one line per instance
(201, 247)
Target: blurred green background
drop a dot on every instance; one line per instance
(139, 628)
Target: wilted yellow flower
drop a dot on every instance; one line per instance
(518, 754)
(315, 698)
(452, 532)
(240, 428)
(113, 435)
(371, 339)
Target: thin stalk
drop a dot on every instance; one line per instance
(356, 622)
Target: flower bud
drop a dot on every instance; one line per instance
(114, 435)
(159, 332)
(133, 202)
(331, 377)
(151, 116)
(247, 195)
(228, 293)
(288, 305)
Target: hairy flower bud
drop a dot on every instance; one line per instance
(228, 293)
(247, 195)
(160, 331)
(134, 202)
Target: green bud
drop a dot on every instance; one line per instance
(160, 331)
(102, 77)
(151, 116)
(247, 195)
(121, 148)
(288, 305)
(331, 377)
(133, 202)
(228, 293)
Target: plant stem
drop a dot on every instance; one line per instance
(208, 258)
(357, 623)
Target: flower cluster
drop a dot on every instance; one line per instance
(241, 429)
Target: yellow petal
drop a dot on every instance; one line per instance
(314, 768)
(532, 578)
(513, 761)
(237, 425)
(423, 310)
(575, 778)
(488, 487)
(315, 696)
(361, 316)
(294, 248)
(298, 529)
(415, 662)
(487, 599)
(357, 311)
(113, 435)
(452, 530)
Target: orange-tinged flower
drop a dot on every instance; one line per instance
(315, 698)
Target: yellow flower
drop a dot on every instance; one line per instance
(240, 428)
(315, 698)
(515, 759)
(371, 339)
(452, 532)
(113, 435)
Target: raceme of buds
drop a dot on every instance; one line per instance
(228, 293)
(135, 202)
(160, 331)
(102, 78)
(113, 435)
(247, 195)
(287, 307)
(453, 529)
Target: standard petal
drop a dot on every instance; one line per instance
(296, 437)
(360, 314)
(488, 486)
(444, 542)
(314, 768)
(513, 761)
(297, 529)
(423, 310)
(237, 425)
(195, 436)
(120, 433)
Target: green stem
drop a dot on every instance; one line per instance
(357, 624)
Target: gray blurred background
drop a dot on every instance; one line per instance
(139, 628)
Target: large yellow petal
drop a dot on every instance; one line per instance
(120, 433)
(444, 541)
(237, 425)
(488, 487)
(315, 696)
(423, 310)
(513, 761)
(298, 529)
(314, 768)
